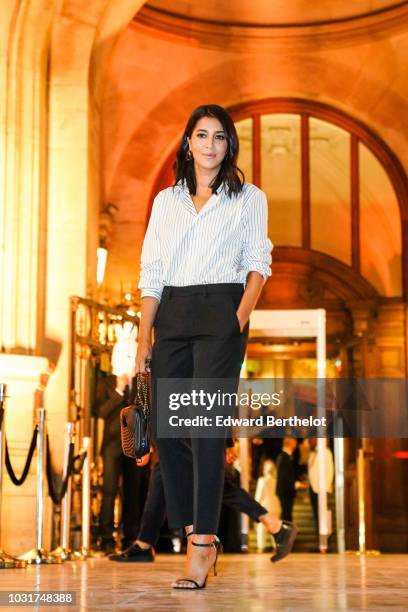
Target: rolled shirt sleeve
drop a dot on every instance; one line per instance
(257, 248)
(151, 267)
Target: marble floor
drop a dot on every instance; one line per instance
(249, 583)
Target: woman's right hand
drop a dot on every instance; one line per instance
(143, 355)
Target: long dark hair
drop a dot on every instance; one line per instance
(229, 174)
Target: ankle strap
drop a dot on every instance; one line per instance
(215, 542)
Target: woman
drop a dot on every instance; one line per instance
(204, 261)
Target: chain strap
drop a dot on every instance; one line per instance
(142, 391)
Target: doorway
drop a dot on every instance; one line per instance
(289, 358)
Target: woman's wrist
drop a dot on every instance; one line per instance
(145, 338)
(243, 314)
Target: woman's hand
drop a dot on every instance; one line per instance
(253, 289)
(143, 355)
(242, 320)
(144, 349)
(230, 455)
(121, 382)
(143, 460)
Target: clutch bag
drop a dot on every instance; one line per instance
(135, 425)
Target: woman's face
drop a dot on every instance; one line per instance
(208, 143)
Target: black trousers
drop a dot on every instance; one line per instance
(135, 485)
(155, 509)
(287, 507)
(238, 499)
(314, 500)
(197, 336)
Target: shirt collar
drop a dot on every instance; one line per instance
(188, 202)
(182, 186)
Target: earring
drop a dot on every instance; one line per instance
(189, 155)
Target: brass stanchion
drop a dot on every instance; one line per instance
(64, 551)
(324, 518)
(39, 555)
(86, 497)
(361, 501)
(6, 561)
(338, 443)
(362, 550)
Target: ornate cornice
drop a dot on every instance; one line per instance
(215, 34)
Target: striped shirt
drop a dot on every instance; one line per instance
(221, 243)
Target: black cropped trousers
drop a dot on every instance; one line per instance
(155, 508)
(197, 335)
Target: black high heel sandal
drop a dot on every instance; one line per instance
(216, 543)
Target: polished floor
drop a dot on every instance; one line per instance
(250, 583)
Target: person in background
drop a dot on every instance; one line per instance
(287, 484)
(265, 447)
(313, 475)
(303, 451)
(113, 393)
(265, 494)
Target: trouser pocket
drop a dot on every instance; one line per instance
(234, 302)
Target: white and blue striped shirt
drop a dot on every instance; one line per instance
(221, 243)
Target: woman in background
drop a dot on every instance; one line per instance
(265, 495)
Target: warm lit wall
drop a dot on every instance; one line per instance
(156, 78)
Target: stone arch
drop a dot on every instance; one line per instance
(331, 114)
(138, 152)
(147, 161)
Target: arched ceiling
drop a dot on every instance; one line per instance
(271, 12)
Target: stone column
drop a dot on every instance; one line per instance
(24, 39)
(73, 177)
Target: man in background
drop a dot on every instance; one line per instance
(287, 484)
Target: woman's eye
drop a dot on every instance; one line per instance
(201, 135)
(220, 137)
